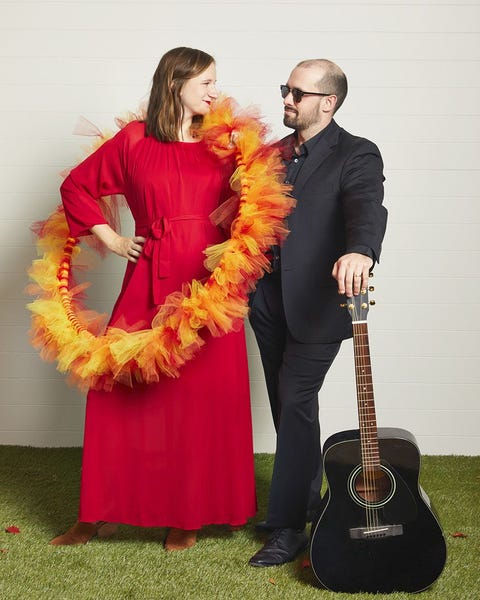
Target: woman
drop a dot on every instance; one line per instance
(177, 453)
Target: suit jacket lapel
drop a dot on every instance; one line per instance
(323, 148)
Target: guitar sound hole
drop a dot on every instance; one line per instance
(372, 487)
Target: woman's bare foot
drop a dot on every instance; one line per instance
(83, 532)
(180, 539)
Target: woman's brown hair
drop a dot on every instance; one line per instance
(165, 111)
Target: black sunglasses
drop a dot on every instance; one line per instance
(297, 94)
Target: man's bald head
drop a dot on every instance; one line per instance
(331, 78)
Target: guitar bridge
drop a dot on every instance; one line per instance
(375, 533)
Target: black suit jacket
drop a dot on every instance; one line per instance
(339, 193)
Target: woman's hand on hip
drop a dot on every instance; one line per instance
(128, 247)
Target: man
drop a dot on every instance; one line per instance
(336, 231)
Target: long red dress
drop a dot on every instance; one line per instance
(177, 453)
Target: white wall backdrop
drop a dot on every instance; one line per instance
(414, 74)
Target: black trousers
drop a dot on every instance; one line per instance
(294, 374)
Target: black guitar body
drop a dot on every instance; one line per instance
(365, 544)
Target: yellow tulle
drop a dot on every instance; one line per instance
(63, 330)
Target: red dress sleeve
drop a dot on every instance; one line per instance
(100, 174)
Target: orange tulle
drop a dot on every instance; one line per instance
(65, 331)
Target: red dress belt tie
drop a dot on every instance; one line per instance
(157, 247)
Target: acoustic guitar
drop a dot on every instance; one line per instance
(376, 529)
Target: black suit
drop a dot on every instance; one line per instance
(295, 311)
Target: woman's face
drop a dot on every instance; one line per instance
(199, 92)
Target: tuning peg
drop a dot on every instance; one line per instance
(372, 302)
(343, 305)
(370, 274)
(371, 288)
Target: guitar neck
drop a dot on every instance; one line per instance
(365, 401)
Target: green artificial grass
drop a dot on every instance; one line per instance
(39, 495)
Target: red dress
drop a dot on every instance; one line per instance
(178, 453)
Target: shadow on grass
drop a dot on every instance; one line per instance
(39, 488)
(41, 483)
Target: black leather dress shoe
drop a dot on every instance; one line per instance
(282, 546)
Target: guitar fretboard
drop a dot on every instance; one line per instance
(365, 400)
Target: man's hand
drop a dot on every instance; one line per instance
(351, 272)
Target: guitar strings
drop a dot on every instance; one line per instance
(361, 410)
(364, 434)
(367, 451)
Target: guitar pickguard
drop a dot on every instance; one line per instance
(395, 504)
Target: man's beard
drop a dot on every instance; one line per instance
(290, 120)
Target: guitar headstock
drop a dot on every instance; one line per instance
(358, 306)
